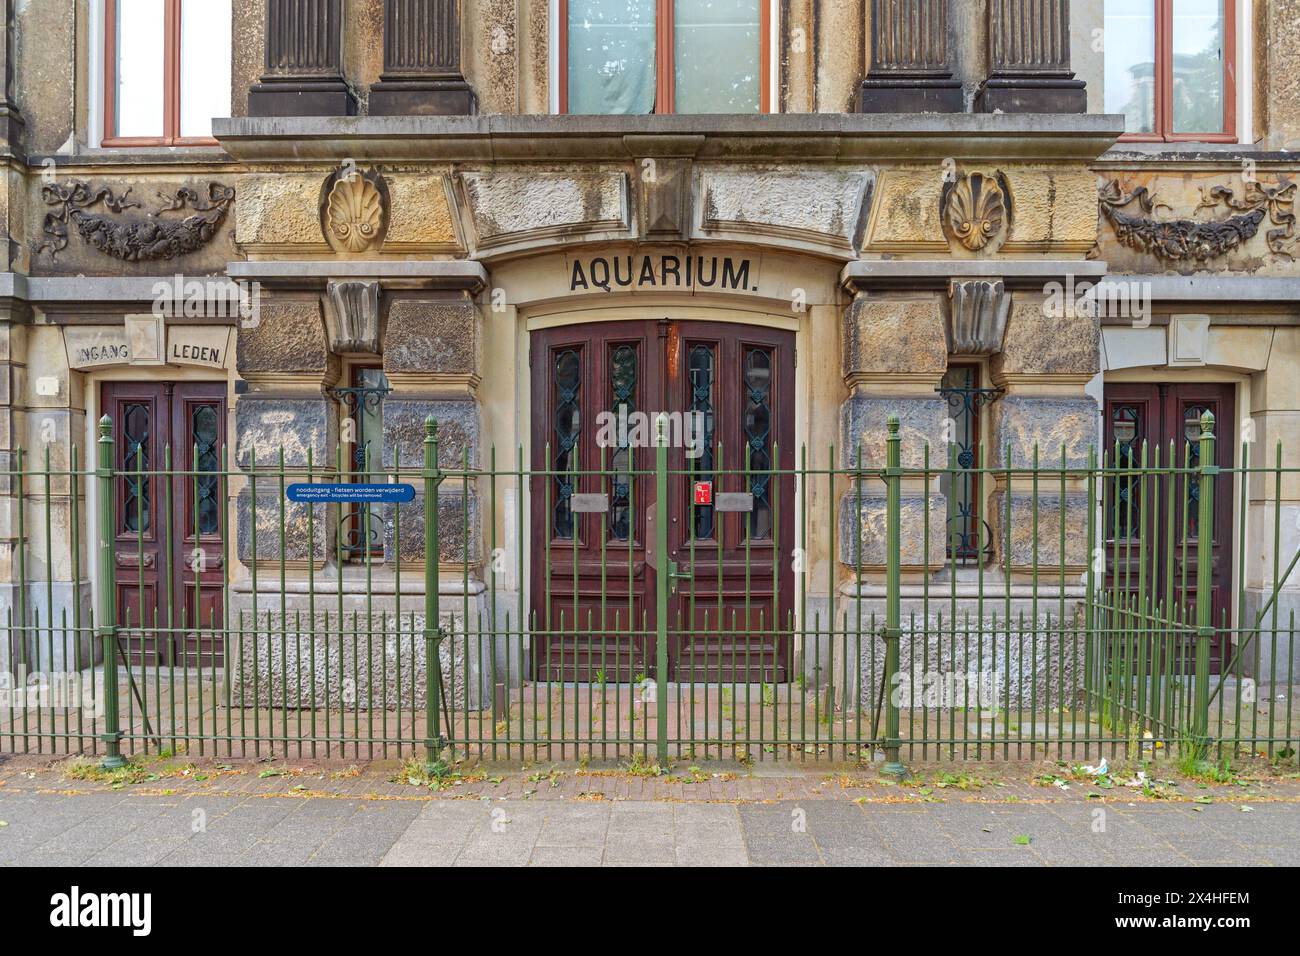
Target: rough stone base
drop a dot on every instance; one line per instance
(1018, 667)
(372, 661)
(50, 644)
(1271, 659)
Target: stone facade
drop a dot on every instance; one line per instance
(418, 210)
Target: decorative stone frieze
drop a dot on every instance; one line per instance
(977, 316)
(132, 238)
(1195, 240)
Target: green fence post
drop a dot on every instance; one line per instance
(893, 617)
(662, 581)
(106, 600)
(1205, 631)
(433, 740)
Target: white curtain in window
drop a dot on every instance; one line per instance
(611, 56)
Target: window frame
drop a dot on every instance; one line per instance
(171, 83)
(1164, 81)
(665, 74)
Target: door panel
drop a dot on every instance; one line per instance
(592, 574)
(168, 533)
(1167, 416)
(741, 380)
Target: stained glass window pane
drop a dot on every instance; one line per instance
(758, 438)
(623, 379)
(204, 432)
(567, 387)
(701, 364)
(136, 426)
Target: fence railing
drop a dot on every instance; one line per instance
(800, 611)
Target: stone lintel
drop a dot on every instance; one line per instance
(450, 275)
(866, 275)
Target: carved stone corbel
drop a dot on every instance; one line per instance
(977, 316)
(352, 315)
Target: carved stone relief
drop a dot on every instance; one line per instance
(354, 210)
(1200, 240)
(132, 238)
(975, 210)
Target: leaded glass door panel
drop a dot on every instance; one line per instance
(593, 592)
(168, 528)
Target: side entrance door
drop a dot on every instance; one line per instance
(168, 527)
(729, 392)
(1168, 415)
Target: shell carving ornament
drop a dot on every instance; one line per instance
(975, 209)
(354, 210)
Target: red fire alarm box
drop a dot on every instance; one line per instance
(704, 492)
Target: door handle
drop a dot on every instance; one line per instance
(674, 575)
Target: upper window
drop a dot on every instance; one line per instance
(167, 70)
(664, 56)
(1170, 68)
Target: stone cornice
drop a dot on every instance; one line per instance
(863, 275)
(460, 275)
(808, 137)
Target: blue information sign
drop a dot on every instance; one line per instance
(350, 493)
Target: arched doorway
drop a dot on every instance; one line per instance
(729, 391)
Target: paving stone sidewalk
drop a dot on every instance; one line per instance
(193, 826)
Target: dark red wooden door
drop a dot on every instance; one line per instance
(1168, 416)
(168, 528)
(592, 590)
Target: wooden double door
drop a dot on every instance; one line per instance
(729, 392)
(1168, 415)
(167, 537)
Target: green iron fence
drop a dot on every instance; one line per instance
(224, 618)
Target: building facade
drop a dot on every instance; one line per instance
(277, 233)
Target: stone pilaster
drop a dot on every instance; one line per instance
(422, 70)
(304, 75)
(1043, 417)
(432, 361)
(11, 121)
(284, 359)
(910, 70)
(1029, 59)
(894, 358)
